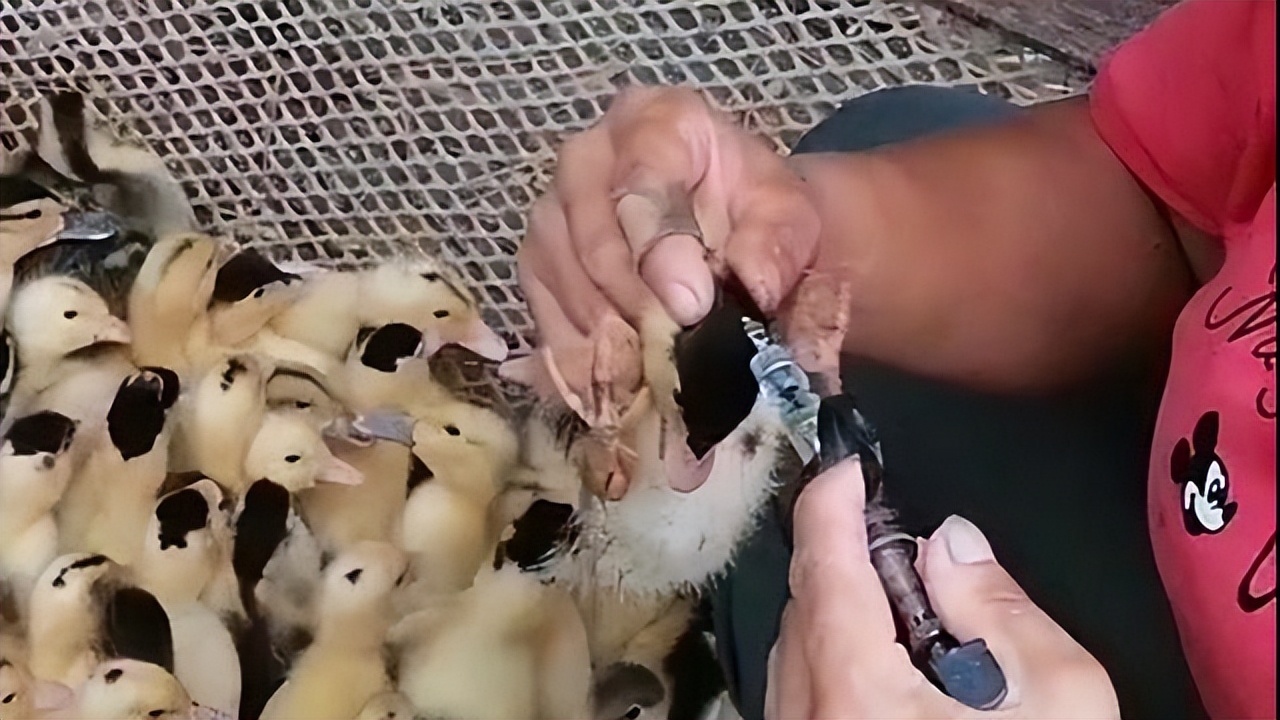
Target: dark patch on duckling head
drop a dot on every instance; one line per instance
(419, 473)
(717, 387)
(540, 532)
(232, 370)
(137, 628)
(387, 345)
(245, 273)
(261, 527)
(180, 513)
(42, 432)
(85, 562)
(137, 414)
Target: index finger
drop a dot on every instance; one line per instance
(832, 578)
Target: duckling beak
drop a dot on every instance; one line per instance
(86, 227)
(338, 472)
(388, 425)
(113, 330)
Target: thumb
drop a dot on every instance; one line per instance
(975, 597)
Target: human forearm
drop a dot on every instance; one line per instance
(1019, 256)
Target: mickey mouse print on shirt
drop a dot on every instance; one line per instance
(1204, 479)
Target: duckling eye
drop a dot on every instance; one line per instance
(70, 314)
(155, 713)
(354, 576)
(633, 712)
(292, 459)
(9, 698)
(441, 313)
(302, 405)
(452, 430)
(259, 292)
(113, 675)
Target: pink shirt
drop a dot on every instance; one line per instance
(1189, 105)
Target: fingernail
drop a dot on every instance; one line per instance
(765, 289)
(965, 543)
(682, 303)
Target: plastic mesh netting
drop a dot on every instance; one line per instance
(339, 132)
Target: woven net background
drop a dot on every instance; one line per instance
(341, 132)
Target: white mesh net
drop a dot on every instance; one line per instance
(338, 132)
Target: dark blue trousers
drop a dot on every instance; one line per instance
(1058, 484)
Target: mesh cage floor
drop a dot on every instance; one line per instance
(342, 132)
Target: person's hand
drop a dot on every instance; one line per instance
(836, 657)
(647, 208)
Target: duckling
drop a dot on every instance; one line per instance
(83, 610)
(35, 468)
(219, 418)
(634, 636)
(276, 558)
(124, 689)
(171, 292)
(430, 298)
(30, 218)
(433, 300)
(466, 455)
(72, 352)
(129, 179)
(508, 647)
(187, 549)
(386, 369)
(248, 291)
(106, 506)
(344, 668)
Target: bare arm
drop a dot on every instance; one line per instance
(1018, 257)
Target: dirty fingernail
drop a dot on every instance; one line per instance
(764, 290)
(965, 543)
